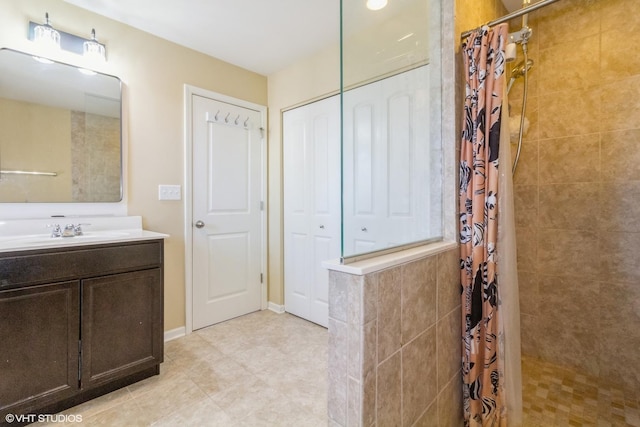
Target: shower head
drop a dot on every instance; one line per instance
(520, 69)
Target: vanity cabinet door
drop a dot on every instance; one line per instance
(39, 336)
(122, 325)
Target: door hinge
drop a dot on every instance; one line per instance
(79, 360)
(262, 133)
(261, 278)
(261, 205)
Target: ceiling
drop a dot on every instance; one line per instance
(263, 36)
(259, 35)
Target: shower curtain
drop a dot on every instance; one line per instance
(490, 316)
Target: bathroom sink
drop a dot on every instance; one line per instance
(47, 240)
(18, 235)
(98, 235)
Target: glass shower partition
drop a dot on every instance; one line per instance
(390, 126)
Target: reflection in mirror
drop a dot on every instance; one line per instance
(391, 151)
(60, 132)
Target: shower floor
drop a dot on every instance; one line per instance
(555, 396)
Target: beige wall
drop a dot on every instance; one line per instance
(577, 189)
(153, 72)
(35, 138)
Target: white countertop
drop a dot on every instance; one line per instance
(30, 234)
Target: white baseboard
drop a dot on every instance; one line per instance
(276, 307)
(174, 333)
(182, 331)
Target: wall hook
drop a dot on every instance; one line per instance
(226, 119)
(216, 116)
(237, 119)
(246, 121)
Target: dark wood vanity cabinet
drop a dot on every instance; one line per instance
(39, 335)
(78, 322)
(120, 316)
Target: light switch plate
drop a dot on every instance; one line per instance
(169, 192)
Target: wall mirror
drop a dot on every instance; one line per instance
(60, 132)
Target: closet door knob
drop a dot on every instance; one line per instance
(199, 224)
(322, 226)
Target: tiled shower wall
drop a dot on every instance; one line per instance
(394, 345)
(95, 157)
(577, 189)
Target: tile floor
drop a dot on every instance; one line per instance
(262, 369)
(554, 396)
(267, 369)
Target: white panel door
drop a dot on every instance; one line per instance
(386, 162)
(311, 146)
(227, 217)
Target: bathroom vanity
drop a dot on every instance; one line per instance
(78, 318)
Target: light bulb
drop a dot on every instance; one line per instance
(45, 35)
(376, 4)
(94, 50)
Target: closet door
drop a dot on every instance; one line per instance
(311, 145)
(386, 162)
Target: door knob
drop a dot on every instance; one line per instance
(322, 226)
(199, 224)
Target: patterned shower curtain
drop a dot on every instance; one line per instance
(482, 369)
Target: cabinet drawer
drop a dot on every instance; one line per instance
(35, 267)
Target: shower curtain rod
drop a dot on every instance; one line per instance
(514, 14)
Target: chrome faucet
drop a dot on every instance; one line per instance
(77, 229)
(70, 230)
(56, 231)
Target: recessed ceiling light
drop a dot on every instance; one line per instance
(376, 4)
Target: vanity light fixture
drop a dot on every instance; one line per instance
(376, 4)
(94, 50)
(48, 37)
